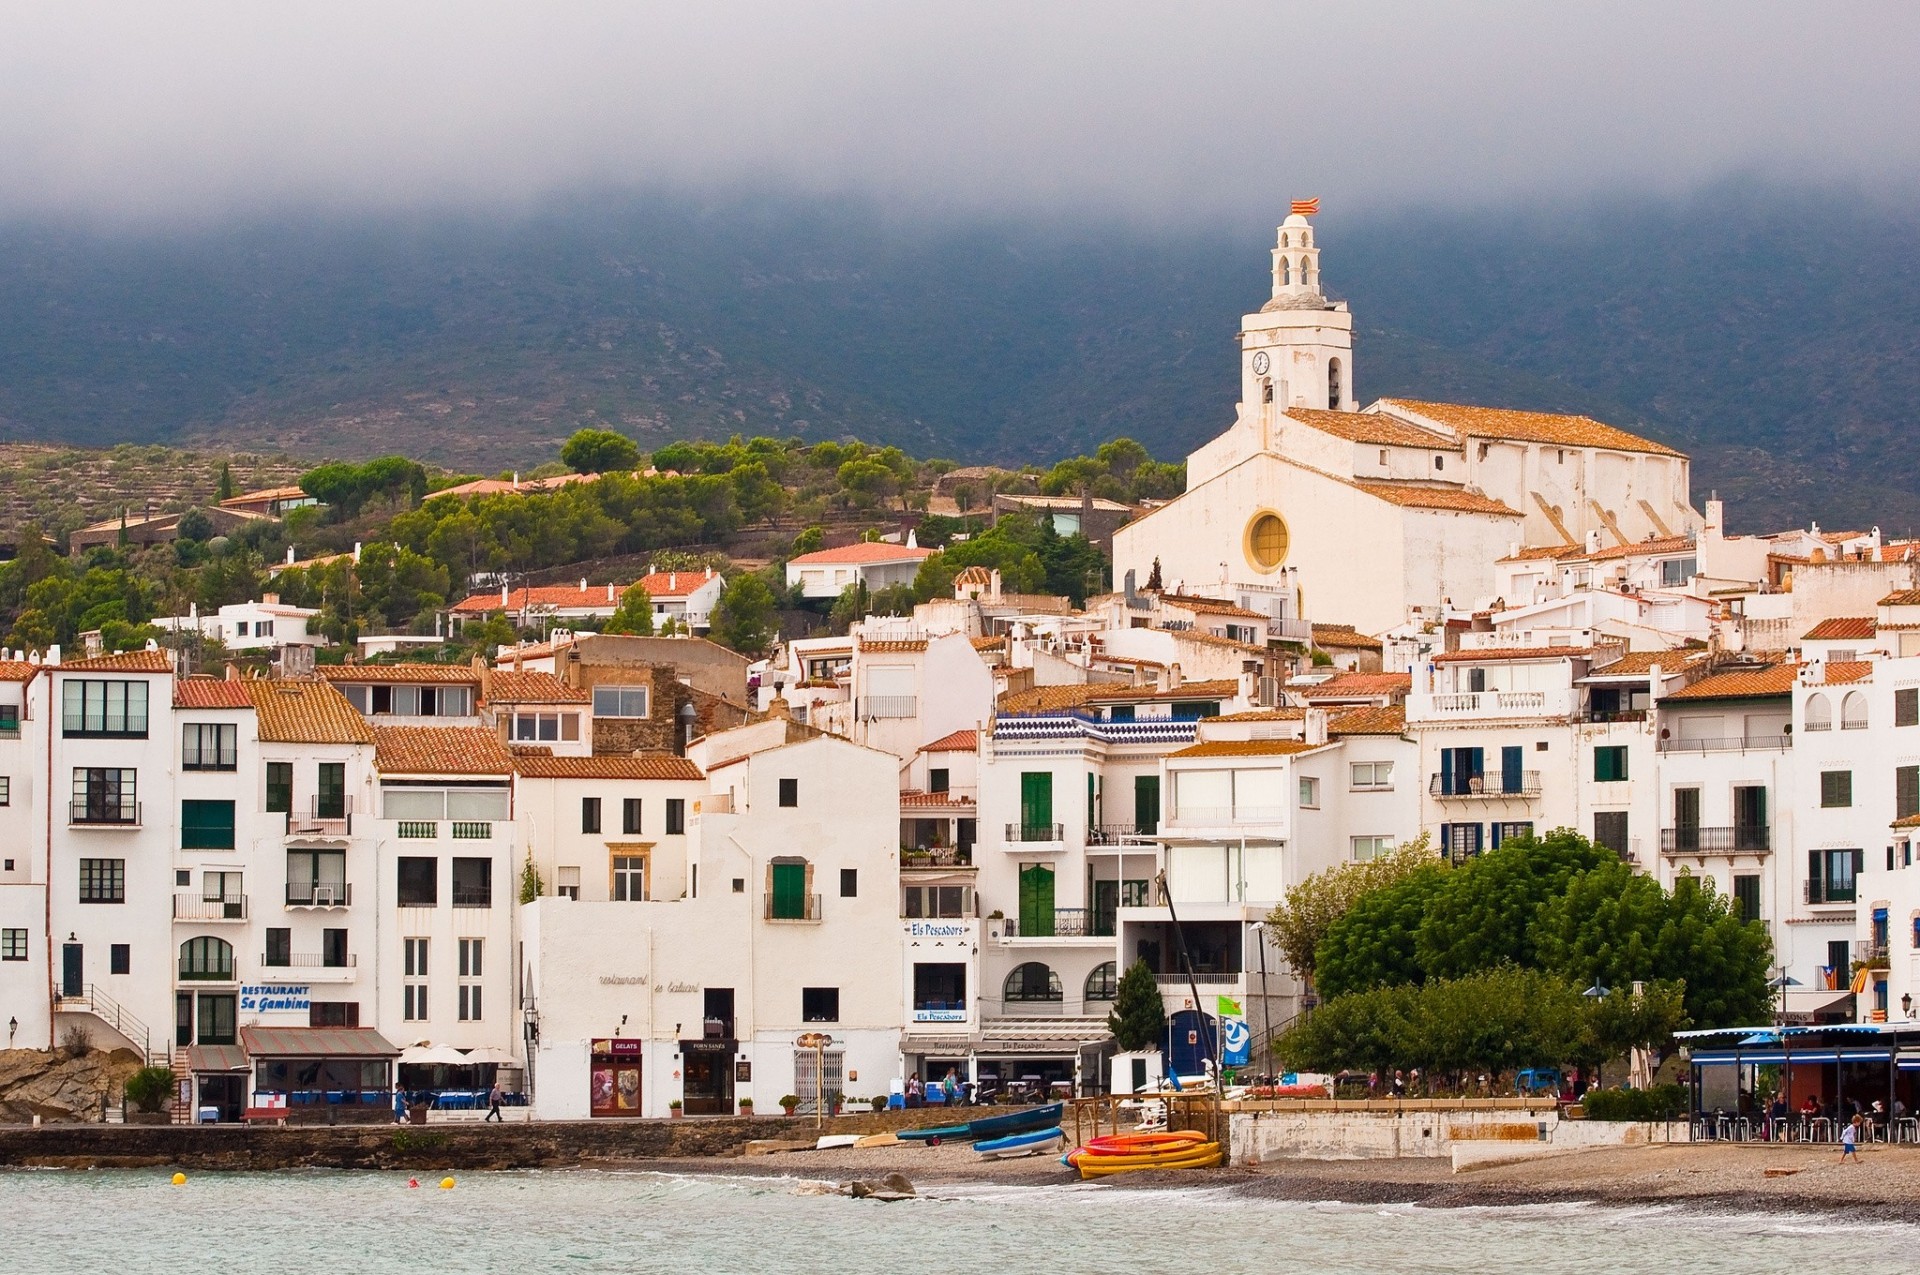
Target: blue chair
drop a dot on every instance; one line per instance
(335, 1097)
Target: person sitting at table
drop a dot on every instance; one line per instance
(1811, 1107)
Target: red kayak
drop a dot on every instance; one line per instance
(1141, 1143)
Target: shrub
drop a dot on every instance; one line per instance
(149, 1087)
(76, 1041)
(1662, 1102)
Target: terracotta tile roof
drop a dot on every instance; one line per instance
(1644, 548)
(1061, 502)
(913, 799)
(267, 494)
(440, 750)
(1545, 551)
(975, 574)
(1217, 688)
(1348, 685)
(506, 486)
(1840, 672)
(292, 712)
(1530, 427)
(961, 741)
(1210, 606)
(894, 645)
(1760, 683)
(1051, 699)
(510, 686)
(1491, 653)
(676, 584)
(1901, 598)
(1907, 821)
(211, 692)
(123, 662)
(1425, 496)
(1841, 628)
(989, 643)
(1343, 637)
(864, 551)
(1244, 748)
(1261, 715)
(1390, 720)
(1640, 663)
(17, 671)
(400, 673)
(559, 596)
(645, 766)
(1376, 428)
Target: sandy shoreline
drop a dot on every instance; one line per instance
(1885, 1187)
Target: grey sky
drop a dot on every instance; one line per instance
(1148, 110)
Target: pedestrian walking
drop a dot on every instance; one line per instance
(1850, 1141)
(494, 1097)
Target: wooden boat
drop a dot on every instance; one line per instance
(1016, 1144)
(1023, 1120)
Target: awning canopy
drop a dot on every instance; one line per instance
(316, 1042)
(430, 1055)
(216, 1058)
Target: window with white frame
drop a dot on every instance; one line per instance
(415, 968)
(620, 701)
(6, 790)
(209, 746)
(1372, 774)
(1365, 848)
(544, 728)
(471, 951)
(566, 882)
(1309, 792)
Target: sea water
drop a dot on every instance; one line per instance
(334, 1223)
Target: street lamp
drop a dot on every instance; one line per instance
(1906, 1005)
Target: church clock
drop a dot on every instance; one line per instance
(1260, 363)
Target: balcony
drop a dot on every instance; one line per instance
(1526, 783)
(1603, 716)
(103, 814)
(1066, 923)
(323, 815)
(1819, 892)
(1120, 834)
(319, 895)
(790, 911)
(877, 706)
(463, 831)
(1205, 978)
(193, 907)
(1459, 705)
(309, 960)
(1035, 832)
(1741, 839)
(472, 896)
(1221, 816)
(1737, 744)
(416, 829)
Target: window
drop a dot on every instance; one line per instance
(102, 795)
(103, 880)
(620, 701)
(1033, 981)
(330, 801)
(1746, 896)
(1675, 572)
(1309, 792)
(1365, 848)
(820, 1004)
(279, 953)
(1505, 832)
(629, 878)
(207, 958)
(939, 993)
(471, 951)
(1906, 791)
(1836, 788)
(1267, 541)
(630, 816)
(333, 1013)
(1853, 711)
(1830, 875)
(317, 878)
(590, 814)
(937, 779)
(1460, 841)
(1818, 714)
(240, 628)
(333, 949)
(279, 787)
(13, 945)
(472, 883)
(1104, 983)
(566, 882)
(1372, 774)
(206, 825)
(6, 790)
(9, 719)
(849, 883)
(790, 792)
(1906, 707)
(936, 901)
(414, 952)
(676, 816)
(1610, 830)
(545, 728)
(99, 708)
(209, 746)
(419, 882)
(120, 958)
(1610, 764)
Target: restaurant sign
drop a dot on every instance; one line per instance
(939, 1015)
(274, 998)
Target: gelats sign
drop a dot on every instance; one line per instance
(274, 998)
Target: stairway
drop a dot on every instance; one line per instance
(183, 1112)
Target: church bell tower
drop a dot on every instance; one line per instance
(1298, 350)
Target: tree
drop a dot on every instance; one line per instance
(1138, 1019)
(599, 451)
(531, 886)
(1484, 917)
(1372, 945)
(633, 615)
(224, 489)
(195, 526)
(755, 492)
(1301, 921)
(811, 540)
(744, 617)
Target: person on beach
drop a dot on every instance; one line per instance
(1850, 1141)
(494, 1097)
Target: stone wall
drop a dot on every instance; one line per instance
(1416, 1130)
(55, 1086)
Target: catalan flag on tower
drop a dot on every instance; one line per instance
(1306, 207)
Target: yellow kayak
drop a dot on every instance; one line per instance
(1203, 1155)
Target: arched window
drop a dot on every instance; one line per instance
(1104, 983)
(1819, 714)
(1286, 240)
(206, 958)
(1853, 711)
(1286, 270)
(1335, 391)
(1306, 275)
(1033, 982)
(1266, 391)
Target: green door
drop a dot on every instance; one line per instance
(1106, 908)
(789, 892)
(1146, 804)
(1036, 805)
(1036, 900)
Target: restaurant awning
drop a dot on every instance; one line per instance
(216, 1058)
(316, 1042)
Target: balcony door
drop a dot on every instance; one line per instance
(1146, 804)
(1750, 818)
(1036, 900)
(789, 891)
(1036, 804)
(1511, 759)
(1686, 818)
(1461, 770)
(73, 980)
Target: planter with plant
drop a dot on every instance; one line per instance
(674, 1109)
(148, 1090)
(746, 1106)
(789, 1103)
(879, 1102)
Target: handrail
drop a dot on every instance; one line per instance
(111, 1012)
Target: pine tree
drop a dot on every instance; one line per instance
(1138, 1019)
(225, 489)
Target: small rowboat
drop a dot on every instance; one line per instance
(1119, 1144)
(1018, 1144)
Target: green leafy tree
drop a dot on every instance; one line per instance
(869, 483)
(757, 496)
(1301, 921)
(531, 886)
(811, 540)
(745, 618)
(1484, 917)
(599, 451)
(1372, 944)
(634, 614)
(1138, 1019)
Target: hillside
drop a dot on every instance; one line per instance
(1786, 366)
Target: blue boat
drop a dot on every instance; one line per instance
(1024, 1120)
(1029, 1143)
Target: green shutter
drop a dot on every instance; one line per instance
(1146, 804)
(1036, 900)
(790, 891)
(1036, 804)
(206, 825)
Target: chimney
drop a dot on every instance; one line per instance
(516, 480)
(912, 542)
(609, 590)
(233, 674)
(1315, 732)
(1593, 541)
(356, 551)
(503, 595)
(1173, 676)
(583, 584)
(289, 555)
(673, 582)
(269, 599)
(710, 569)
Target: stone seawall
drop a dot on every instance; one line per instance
(1420, 1131)
(536, 1145)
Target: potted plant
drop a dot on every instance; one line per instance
(788, 1103)
(834, 1099)
(746, 1106)
(148, 1090)
(674, 1109)
(879, 1103)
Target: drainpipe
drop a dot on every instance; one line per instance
(46, 883)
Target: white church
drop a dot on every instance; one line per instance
(1361, 515)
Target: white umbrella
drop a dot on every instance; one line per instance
(491, 1054)
(429, 1054)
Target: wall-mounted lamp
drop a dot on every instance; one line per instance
(1906, 1005)
(13, 1025)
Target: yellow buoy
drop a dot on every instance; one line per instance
(446, 1184)
(179, 1179)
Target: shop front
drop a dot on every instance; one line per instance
(614, 1077)
(219, 1085)
(707, 1070)
(322, 1075)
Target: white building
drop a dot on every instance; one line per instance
(827, 573)
(686, 598)
(266, 625)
